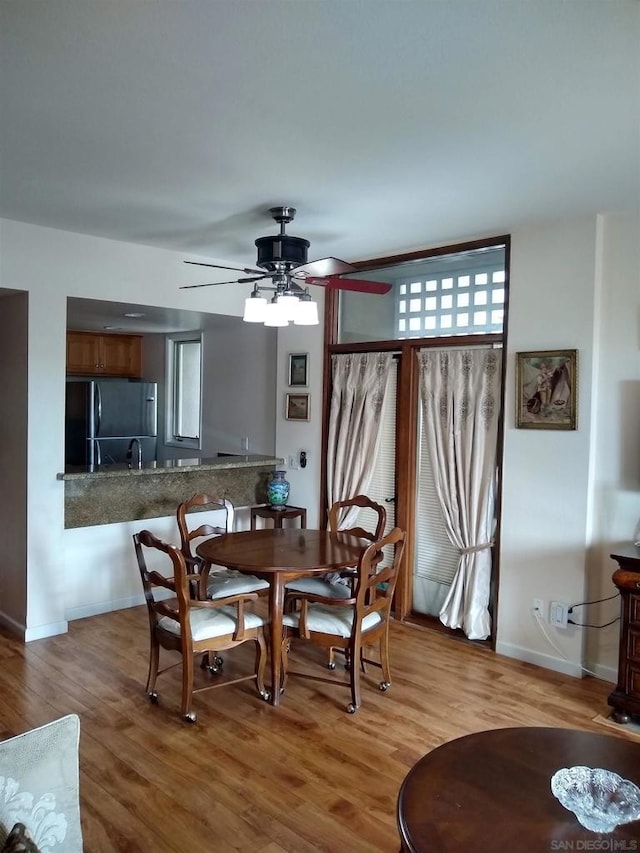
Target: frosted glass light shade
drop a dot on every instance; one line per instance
(289, 305)
(254, 309)
(306, 313)
(274, 315)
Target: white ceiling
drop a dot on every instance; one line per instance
(389, 124)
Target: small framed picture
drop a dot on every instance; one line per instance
(298, 369)
(297, 407)
(546, 389)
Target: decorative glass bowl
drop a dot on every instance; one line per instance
(600, 799)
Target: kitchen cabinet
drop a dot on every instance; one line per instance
(91, 354)
(625, 699)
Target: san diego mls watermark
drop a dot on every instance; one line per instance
(599, 844)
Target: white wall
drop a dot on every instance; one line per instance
(560, 298)
(615, 481)
(294, 436)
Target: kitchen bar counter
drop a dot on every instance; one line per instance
(109, 494)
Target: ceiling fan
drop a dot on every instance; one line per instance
(283, 259)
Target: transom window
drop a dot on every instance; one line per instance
(462, 293)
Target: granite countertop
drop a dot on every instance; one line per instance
(169, 466)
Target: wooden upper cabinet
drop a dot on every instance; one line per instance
(90, 354)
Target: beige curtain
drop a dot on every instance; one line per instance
(460, 396)
(359, 383)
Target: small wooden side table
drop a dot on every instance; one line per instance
(278, 515)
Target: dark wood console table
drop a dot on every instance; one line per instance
(278, 515)
(625, 699)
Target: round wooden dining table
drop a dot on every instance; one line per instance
(280, 556)
(490, 792)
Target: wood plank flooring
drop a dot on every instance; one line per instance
(248, 777)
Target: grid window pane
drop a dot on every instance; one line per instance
(431, 296)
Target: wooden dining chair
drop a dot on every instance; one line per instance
(221, 581)
(340, 585)
(178, 622)
(351, 624)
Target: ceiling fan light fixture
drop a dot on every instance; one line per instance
(274, 314)
(289, 304)
(306, 312)
(255, 308)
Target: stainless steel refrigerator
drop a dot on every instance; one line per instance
(104, 416)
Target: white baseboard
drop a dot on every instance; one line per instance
(557, 664)
(606, 673)
(104, 607)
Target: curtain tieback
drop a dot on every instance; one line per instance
(475, 548)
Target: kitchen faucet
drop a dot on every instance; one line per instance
(136, 442)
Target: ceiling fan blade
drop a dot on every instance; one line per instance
(322, 268)
(248, 270)
(358, 284)
(234, 281)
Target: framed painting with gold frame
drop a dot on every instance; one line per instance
(546, 393)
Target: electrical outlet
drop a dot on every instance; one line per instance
(293, 463)
(558, 614)
(538, 607)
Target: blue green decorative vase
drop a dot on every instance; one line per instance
(278, 490)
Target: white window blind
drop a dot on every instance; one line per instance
(436, 559)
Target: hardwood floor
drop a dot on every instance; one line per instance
(248, 777)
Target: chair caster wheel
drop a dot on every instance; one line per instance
(218, 662)
(153, 697)
(191, 717)
(351, 708)
(331, 665)
(384, 686)
(266, 696)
